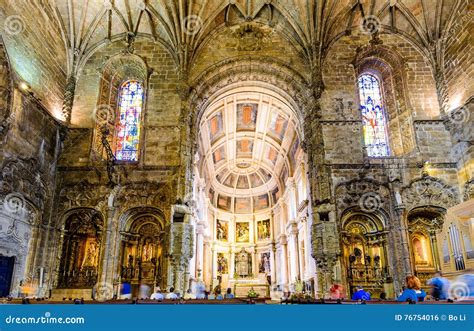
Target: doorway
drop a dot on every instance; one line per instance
(6, 273)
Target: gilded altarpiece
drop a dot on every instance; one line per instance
(142, 255)
(365, 253)
(81, 250)
(423, 229)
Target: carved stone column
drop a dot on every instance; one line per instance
(68, 101)
(284, 261)
(232, 261)
(199, 250)
(253, 253)
(273, 264)
(294, 252)
(181, 247)
(291, 189)
(326, 251)
(188, 132)
(106, 275)
(405, 242)
(213, 263)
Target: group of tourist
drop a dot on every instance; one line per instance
(172, 295)
(412, 290)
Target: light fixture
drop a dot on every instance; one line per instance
(24, 86)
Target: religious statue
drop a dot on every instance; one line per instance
(147, 252)
(263, 230)
(265, 263)
(221, 230)
(130, 261)
(243, 264)
(90, 258)
(242, 232)
(222, 267)
(420, 256)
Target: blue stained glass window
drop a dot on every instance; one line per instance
(127, 131)
(373, 117)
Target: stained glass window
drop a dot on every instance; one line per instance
(127, 139)
(373, 118)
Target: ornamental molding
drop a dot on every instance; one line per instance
(83, 195)
(367, 195)
(24, 177)
(250, 68)
(144, 194)
(429, 191)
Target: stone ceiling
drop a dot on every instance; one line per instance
(49, 40)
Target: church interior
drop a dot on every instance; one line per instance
(276, 147)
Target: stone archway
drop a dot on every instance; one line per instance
(365, 253)
(424, 226)
(142, 259)
(249, 163)
(79, 265)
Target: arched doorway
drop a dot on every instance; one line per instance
(19, 232)
(81, 247)
(142, 254)
(251, 172)
(364, 240)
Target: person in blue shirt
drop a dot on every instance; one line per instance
(219, 295)
(413, 292)
(126, 292)
(439, 287)
(229, 294)
(360, 294)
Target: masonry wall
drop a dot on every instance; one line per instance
(161, 108)
(459, 71)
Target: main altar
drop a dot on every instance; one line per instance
(244, 278)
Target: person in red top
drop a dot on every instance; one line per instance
(336, 292)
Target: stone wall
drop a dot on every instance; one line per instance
(29, 148)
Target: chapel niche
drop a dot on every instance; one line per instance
(79, 266)
(423, 226)
(365, 253)
(142, 252)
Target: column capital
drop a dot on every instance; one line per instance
(283, 239)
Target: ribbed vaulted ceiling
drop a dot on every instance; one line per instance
(60, 35)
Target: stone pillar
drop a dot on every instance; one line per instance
(199, 250)
(214, 263)
(187, 141)
(301, 254)
(104, 289)
(404, 243)
(253, 254)
(284, 262)
(273, 264)
(68, 101)
(207, 262)
(294, 252)
(181, 247)
(232, 262)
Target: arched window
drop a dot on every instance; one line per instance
(373, 117)
(127, 131)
